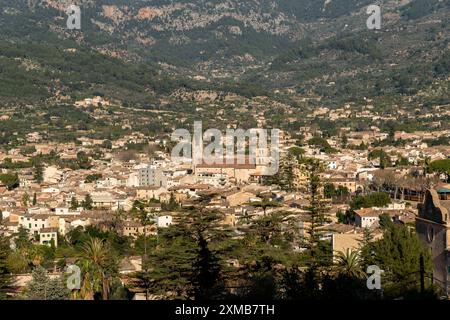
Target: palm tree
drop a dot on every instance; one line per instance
(95, 264)
(349, 263)
(86, 291)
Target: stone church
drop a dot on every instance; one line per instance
(433, 229)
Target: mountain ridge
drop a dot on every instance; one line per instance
(306, 45)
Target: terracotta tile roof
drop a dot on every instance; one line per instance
(367, 212)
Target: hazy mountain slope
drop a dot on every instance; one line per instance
(405, 58)
(135, 50)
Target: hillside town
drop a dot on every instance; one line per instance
(207, 156)
(46, 202)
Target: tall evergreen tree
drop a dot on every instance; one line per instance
(186, 262)
(25, 199)
(42, 287)
(38, 172)
(143, 279)
(399, 253)
(204, 229)
(172, 204)
(22, 238)
(170, 264)
(4, 269)
(87, 202)
(287, 173)
(385, 221)
(74, 203)
(318, 253)
(367, 248)
(285, 177)
(206, 279)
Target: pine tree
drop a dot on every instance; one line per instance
(143, 279)
(87, 202)
(204, 229)
(385, 221)
(172, 204)
(318, 253)
(298, 285)
(262, 285)
(206, 279)
(291, 284)
(42, 287)
(367, 248)
(185, 261)
(170, 263)
(285, 177)
(269, 229)
(22, 239)
(398, 253)
(4, 270)
(34, 199)
(287, 173)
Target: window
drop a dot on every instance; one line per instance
(430, 233)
